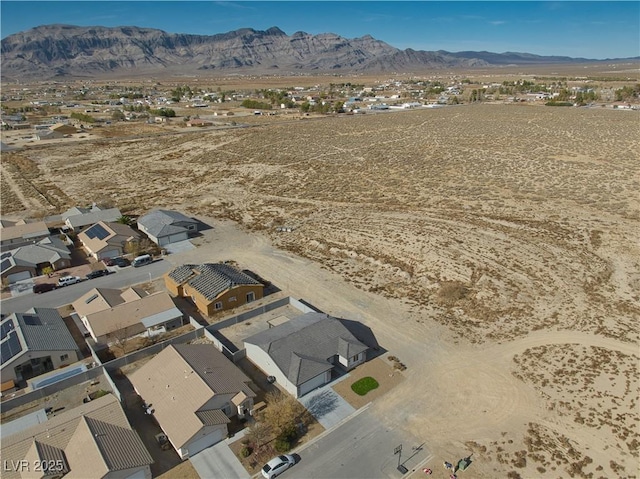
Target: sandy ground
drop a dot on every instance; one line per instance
(493, 249)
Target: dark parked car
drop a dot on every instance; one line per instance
(44, 287)
(122, 262)
(97, 273)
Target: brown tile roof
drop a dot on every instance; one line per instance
(184, 381)
(96, 438)
(211, 279)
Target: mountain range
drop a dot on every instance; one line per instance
(51, 51)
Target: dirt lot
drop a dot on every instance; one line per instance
(493, 248)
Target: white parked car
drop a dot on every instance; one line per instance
(67, 280)
(277, 466)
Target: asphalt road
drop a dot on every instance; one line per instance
(53, 299)
(361, 447)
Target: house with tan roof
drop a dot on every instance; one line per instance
(113, 315)
(93, 440)
(193, 390)
(107, 240)
(213, 287)
(22, 233)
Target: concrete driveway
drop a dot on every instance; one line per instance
(219, 461)
(179, 247)
(327, 406)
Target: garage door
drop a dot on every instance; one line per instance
(110, 254)
(18, 276)
(206, 441)
(179, 237)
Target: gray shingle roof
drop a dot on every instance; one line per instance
(302, 347)
(44, 330)
(91, 217)
(160, 223)
(211, 279)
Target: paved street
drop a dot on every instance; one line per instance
(124, 277)
(361, 447)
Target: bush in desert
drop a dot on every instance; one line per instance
(451, 292)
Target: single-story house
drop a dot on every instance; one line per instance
(28, 261)
(49, 135)
(164, 226)
(77, 218)
(91, 440)
(107, 240)
(111, 315)
(213, 287)
(193, 390)
(198, 122)
(35, 342)
(302, 353)
(22, 233)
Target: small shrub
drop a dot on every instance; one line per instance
(245, 451)
(100, 393)
(282, 445)
(286, 438)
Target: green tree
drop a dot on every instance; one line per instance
(117, 115)
(125, 220)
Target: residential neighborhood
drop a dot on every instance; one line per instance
(168, 348)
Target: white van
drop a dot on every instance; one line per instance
(141, 260)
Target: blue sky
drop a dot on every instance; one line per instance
(594, 29)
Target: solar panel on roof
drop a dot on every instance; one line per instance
(6, 328)
(31, 320)
(97, 231)
(5, 265)
(10, 347)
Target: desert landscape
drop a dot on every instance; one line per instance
(499, 244)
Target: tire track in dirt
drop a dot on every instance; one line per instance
(29, 203)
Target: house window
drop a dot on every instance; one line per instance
(251, 297)
(232, 299)
(218, 306)
(64, 357)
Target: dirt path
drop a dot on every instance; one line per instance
(454, 391)
(9, 181)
